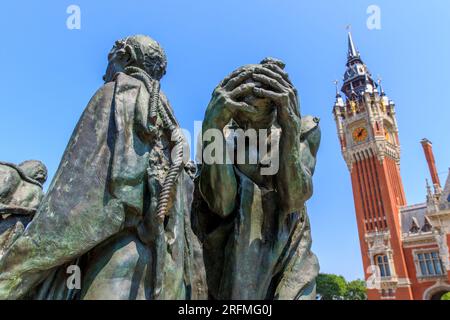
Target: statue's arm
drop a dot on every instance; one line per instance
(299, 140)
(218, 185)
(298, 156)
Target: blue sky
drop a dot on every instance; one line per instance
(50, 73)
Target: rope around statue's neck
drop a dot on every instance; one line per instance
(167, 193)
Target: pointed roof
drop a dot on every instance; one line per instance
(357, 77)
(352, 52)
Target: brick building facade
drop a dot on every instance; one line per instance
(405, 248)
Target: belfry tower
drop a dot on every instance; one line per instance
(368, 134)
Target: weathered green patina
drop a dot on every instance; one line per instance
(125, 208)
(20, 195)
(102, 210)
(254, 226)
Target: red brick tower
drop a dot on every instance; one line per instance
(368, 133)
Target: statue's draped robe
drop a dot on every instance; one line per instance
(92, 214)
(257, 252)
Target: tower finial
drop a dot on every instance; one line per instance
(336, 83)
(381, 87)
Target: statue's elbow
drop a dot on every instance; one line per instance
(222, 206)
(294, 199)
(220, 197)
(224, 209)
(295, 205)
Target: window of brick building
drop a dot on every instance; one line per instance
(383, 265)
(430, 264)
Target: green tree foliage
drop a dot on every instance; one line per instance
(356, 290)
(334, 287)
(331, 286)
(446, 296)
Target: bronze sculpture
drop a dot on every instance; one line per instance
(104, 210)
(254, 226)
(120, 206)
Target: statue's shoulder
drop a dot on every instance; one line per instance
(124, 81)
(8, 171)
(103, 96)
(121, 82)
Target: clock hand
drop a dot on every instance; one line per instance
(360, 133)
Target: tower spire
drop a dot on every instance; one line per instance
(352, 52)
(357, 78)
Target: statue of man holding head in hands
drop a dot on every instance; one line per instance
(253, 222)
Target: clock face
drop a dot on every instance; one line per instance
(360, 134)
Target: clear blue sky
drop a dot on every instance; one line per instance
(50, 73)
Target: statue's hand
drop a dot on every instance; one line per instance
(299, 138)
(224, 103)
(281, 91)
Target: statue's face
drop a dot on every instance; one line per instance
(138, 51)
(35, 170)
(118, 60)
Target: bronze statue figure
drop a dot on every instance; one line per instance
(254, 226)
(128, 210)
(119, 204)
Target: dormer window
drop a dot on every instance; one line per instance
(415, 228)
(426, 225)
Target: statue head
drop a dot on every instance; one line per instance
(35, 170)
(266, 110)
(136, 51)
